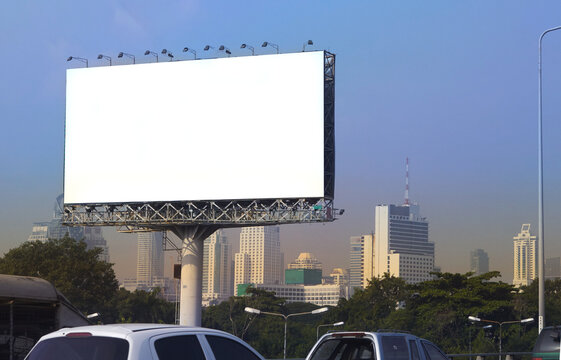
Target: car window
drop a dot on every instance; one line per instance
(414, 350)
(548, 341)
(395, 348)
(182, 347)
(80, 348)
(344, 348)
(432, 352)
(227, 349)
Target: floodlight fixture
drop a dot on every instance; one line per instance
(206, 48)
(170, 55)
(164, 51)
(101, 56)
(70, 58)
(266, 43)
(225, 49)
(310, 42)
(127, 55)
(249, 47)
(185, 49)
(148, 52)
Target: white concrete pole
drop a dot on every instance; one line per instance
(191, 282)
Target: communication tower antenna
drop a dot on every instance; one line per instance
(406, 181)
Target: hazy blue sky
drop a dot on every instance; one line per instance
(450, 84)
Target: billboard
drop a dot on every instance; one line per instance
(216, 129)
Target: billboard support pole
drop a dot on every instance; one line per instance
(192, 237)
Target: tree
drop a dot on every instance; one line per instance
(88, 283)
(143, 307)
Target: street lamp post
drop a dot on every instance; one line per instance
(285, 317)
(323, 325)
(541, 255)
(500, 323)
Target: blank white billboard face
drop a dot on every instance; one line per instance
(229, 128)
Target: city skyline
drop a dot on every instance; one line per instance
(452, 86)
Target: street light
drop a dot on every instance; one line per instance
(101, 56)
(266, 43)
(249, 47)
(313, 312)
(127, 55)
(148, 52)
(336, 324)
(225, 49)
(185, 49)
(70, 58)
(310, 42)
(541, 255)
(500, 323)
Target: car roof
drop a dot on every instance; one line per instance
(125, 330)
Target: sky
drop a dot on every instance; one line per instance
(453, 85)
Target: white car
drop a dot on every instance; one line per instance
(141, 342)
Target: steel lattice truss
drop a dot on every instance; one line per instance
(150, 216)
(133, 217)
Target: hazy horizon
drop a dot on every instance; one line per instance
(451, 85)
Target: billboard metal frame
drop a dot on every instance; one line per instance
(194, 221)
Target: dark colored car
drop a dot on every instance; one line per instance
(547, 344)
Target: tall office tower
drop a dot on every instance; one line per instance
(525, 254)
(150, 260)
(54, 229)
(361, 260)
(553, 268)
(356, 265)
(478, 262)
(402, 246)
(39, 232)
(305, 261)
(259, 260)
(216, 268)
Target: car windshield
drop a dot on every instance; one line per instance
(548, 341)
(81, 348)
(344, 348)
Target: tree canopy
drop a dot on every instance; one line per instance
(89, 284)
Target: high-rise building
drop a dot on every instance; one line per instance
(259, 260)
(150, 260)
(402, 246)
(217, 285)
(361, 260)
(92, 236)
(305, 261)
(356, 264)
(524, 257)
(39, 232)
(553, 268)
(478, 262)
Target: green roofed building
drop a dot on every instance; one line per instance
(242, 289)
(302, 276)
